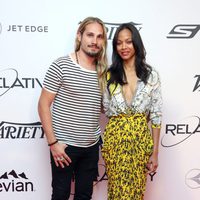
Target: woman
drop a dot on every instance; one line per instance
(132, 98)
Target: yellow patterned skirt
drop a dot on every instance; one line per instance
(127, 147)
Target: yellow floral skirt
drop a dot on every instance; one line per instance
(127, 146)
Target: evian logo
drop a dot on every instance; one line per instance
(15, 182)
(192, 178)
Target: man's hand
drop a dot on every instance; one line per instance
(59, 155)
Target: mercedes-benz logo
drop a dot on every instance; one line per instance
(192, 178)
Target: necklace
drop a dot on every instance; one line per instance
(76, 57)
(77, 60)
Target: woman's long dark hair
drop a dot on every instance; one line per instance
(117, 73)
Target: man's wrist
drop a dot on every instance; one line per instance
(51, 144)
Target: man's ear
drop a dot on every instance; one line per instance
(79, 36)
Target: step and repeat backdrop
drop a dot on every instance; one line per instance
(35, 33)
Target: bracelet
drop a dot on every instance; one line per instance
(52, 143)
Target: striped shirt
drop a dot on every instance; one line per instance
(77, 104)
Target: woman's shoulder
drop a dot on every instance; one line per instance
(154, 76)
(108, 75)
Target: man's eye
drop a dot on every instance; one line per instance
(89, 35)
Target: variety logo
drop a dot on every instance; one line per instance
(175, 134)
(184, 31)
(14, 182)
(103, 177)
(102, 174)
(192, 179)
(152, 175)
(9, 79)
(197, 84)
(111, 28)
(10, 130)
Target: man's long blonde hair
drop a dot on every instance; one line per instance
(101, 61)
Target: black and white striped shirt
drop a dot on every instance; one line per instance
(77, 105)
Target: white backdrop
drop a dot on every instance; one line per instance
(34, 33)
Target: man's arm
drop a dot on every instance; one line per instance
(44, 110)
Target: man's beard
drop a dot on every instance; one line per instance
(91, 53)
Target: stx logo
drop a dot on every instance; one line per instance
(10, 130)
(111, 28)
(197, 84)
(184, 31)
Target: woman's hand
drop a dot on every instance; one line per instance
(152, 164)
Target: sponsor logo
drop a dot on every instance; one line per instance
(27, 28)
(184, 31)
(14, 28)
(111, 28)
(152, 175)
(176, 134)
(102, 174)
(9, 130)
(15, 182)
(197, 84)
(9, 79)
(192, 179)
(103, 177)
(0, 28)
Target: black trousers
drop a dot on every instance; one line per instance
(84, 168)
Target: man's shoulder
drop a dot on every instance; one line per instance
(62, 59)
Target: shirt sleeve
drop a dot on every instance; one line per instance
(106, 101)
(106, 96)
(156, 101)
(53, 78)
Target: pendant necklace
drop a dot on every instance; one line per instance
(76, 57)
(77, 60)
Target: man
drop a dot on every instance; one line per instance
(73, 86)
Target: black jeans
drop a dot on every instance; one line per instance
(84, 168)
